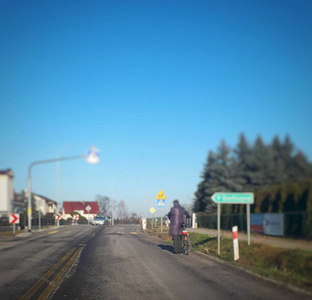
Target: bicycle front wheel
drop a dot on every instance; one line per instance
(186, 244)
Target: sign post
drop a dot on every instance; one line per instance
(152, 210)
(248, 224)
(161, 203)
(233, 198)
(219, 227)
(88, 208)
(14, 219)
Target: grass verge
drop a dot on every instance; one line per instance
(293, 267)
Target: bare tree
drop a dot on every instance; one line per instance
(104, 203)
(134, 218)
(187, 207)
(122, 211)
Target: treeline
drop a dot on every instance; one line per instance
(277, 173)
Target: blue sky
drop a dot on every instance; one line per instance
(154, 85)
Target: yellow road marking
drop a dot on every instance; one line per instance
(133, 233)
(51, 232)
(44, 278)
(58, 277)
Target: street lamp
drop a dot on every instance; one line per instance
(58, 204)
(92, 157)
(113, 207)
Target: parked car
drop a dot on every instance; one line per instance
(98, 221)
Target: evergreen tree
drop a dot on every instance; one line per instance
(287, 155)
(262, 167)
(243, 163)
(262, 163)
(202, 197)
(218, 176)
(301, 167)
(279, 165)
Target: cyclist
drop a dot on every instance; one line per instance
(176, 217)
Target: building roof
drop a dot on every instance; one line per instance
(69, 206)
(8, 172)
(47, 200)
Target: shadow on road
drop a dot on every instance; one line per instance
(116, 233)
(165, 247)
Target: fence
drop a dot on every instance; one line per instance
(45, 222)
(296, 224)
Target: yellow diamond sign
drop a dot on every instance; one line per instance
(160, 195)
(152, 210)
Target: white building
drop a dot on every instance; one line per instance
(6, 192)
(45, 205)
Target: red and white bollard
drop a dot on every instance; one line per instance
(143, 224)
(235, 242)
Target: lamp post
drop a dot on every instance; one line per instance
(91, 157)
(58, 204)
(113, 207)
(113, 201)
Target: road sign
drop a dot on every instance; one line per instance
(152, 210)
(57, 217)
(233, 198)
(161, 195)
(14, 218)
(161, 203)
(76, 217)
(88, 208)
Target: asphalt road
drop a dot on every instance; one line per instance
(27, 257)
(120, 262)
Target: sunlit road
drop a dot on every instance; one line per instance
(86, 262)
(118, 264)
(29, 256)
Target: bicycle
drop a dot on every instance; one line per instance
(186, 241)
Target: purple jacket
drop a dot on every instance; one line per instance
(176, 217)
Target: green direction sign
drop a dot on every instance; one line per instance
(233, 198)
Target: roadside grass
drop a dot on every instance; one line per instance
(293, 267)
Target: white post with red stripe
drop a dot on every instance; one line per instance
(235, 242)
(143, 224)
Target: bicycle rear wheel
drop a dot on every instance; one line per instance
(186, 244)
(189, 244)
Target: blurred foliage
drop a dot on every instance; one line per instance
(81, 218)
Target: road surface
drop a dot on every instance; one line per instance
(122, 263)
